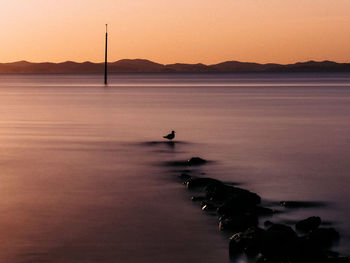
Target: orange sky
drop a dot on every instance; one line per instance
(188, 31)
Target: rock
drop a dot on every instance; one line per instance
(314, 246)
(232, 207)
(281, 232)
(308, 224)
(196, 161)
(236, 245)
(280, 242)
(218, 192)
(236, 208)
(198, 198)
(238, 223)
(202, 183)
(263, 211)
(209, 207)
(300, 204)
(332, 254)
(224, 192)
(268, 223)
(249, 241)
(263, 259)
(338, 260)
(241, 203)
(239, 210)
(322, 238)
(185, 177)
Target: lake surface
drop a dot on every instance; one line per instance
(82, 174)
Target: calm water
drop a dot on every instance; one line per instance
(81, 182)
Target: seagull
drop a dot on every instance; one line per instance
(170, 136)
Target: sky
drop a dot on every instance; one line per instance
(187, 31)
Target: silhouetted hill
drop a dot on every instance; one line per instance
(236, 66)
(317, 66)
(181, 67)
(135, 65)
(146, 66)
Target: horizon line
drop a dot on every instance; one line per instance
(165, 64)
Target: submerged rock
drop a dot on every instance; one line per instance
(196, 161)
(308, 224)
(235, 208)
(323, 238)
(240, 202)
(338, 260)
(249, 242)
(301, 204)
(202, 183)
(268, 223)
(208, 206)
(228, 193)
(280, 242)
(239, 211)
(198, 198)
(263, 211)
(238, 223)
(185, 177)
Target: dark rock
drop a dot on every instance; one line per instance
(264, 259)
(280, 242)
(209, 207)
(222, 192)
(301, 204)
(196, 161)
(239, 211)
(236, 208)
(198, 198)
(185, 177)
(263, 211)
(338, 260)
(228, 195)
(314, 246)
(203, 183)
(233, 207)
(238, 223)
(322, 238)
(332, 254)
(242, 202)
(249, 241)
(308, 224)
(176, 163)
(281, 232)
(268, 223)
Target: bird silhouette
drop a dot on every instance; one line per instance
(170, 136)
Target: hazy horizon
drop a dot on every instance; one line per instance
(178, 62)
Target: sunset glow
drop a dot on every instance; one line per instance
(188, 31)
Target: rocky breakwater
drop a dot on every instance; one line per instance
(239, 212)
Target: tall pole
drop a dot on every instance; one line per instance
(106, 57)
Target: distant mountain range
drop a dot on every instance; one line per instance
(146, 66)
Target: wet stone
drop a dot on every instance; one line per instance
(308, 224)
